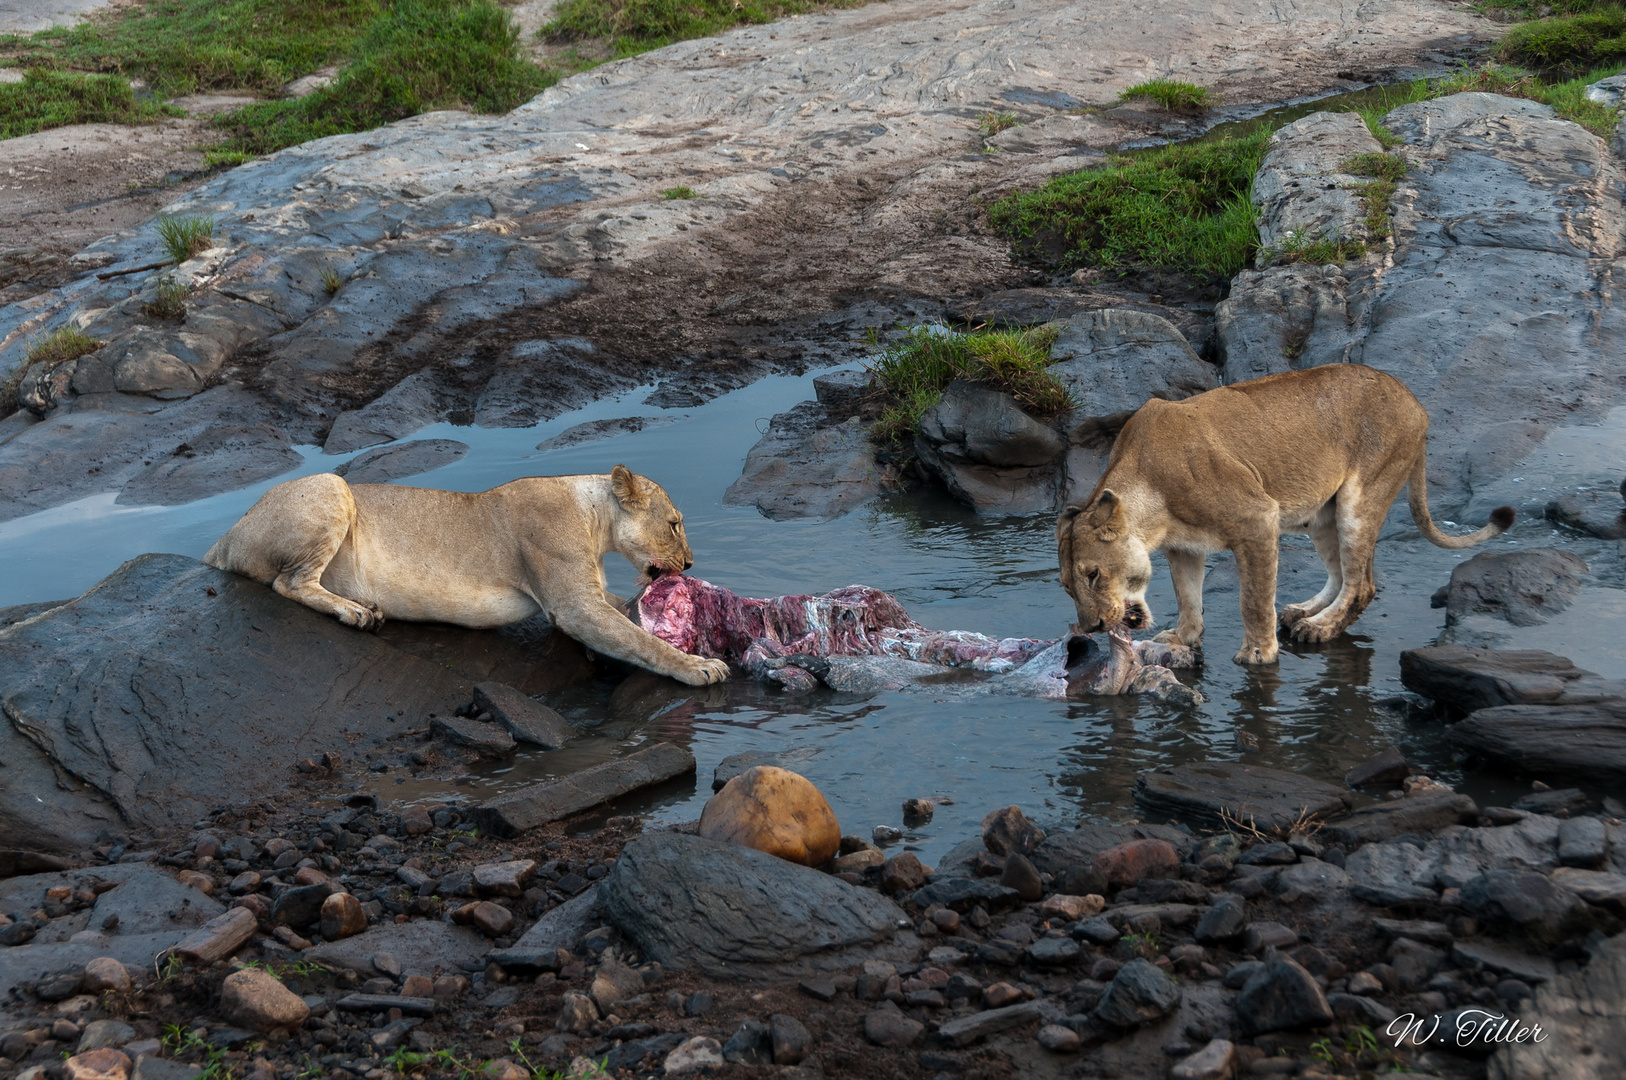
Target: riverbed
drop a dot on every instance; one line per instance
(1321, 711)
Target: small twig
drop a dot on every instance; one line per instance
(135, 270)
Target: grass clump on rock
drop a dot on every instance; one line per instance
(622, 28)
(419, 56)
(48, 99)
(1183, 208)
(1386, 171)
(59, 346)
(184, 237)
(1172, 94)
(914, 370)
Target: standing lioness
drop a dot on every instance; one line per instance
(1324, 451)
(368, 552)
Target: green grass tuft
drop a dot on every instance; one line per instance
(914, 370)
(992, 123)
(48, 99)
(622, 28)
(1567, 45)
(1172, 94)
(59, 346)
(169, 302)
(1184, 208)
(1315, 250)
(220, 157)
(679, 192)
(421, 55)
(187, 46)
(184, 237)
(1386, 171)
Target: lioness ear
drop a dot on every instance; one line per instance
(629, 491)
(1107, 517)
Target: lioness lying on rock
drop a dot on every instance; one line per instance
(1324, 450)
(368, 552)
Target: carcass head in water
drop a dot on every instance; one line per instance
(1094, 670)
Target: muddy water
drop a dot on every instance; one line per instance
(1319, 712)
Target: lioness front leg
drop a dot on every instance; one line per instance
(1256, 571)
(594, 623)
(1186, 568)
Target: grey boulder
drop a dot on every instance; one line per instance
(730, 911)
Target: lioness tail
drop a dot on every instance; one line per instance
(1501, 518)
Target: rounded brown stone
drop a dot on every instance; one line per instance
(342, 916)
(104, 1064)
(776, 811)
(106, 973)
(256, 999)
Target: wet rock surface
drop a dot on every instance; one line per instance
(721, 909)
(1525, 588)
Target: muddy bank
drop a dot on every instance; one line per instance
(834, 158)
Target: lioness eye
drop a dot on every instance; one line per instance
(1092, 577)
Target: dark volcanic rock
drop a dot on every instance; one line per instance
(988, 452)
(1075, 851)
(1115, 360)
(1527, 901)
(1423, 812)
(963, 894)
(1008, 830)
(401, 460)
(1224, 922)
(1598, 513)
(1387, 769)
(525, 718)
(478, 735)
(809, 466)
(1281, 996)
(1574, 742)
(1483, 678)
(1584, 1017)
(223, 458)
(552, 800)
(1265, 798)
(1524, 587)
(730, 911)
(168, 689)
(1140, 993)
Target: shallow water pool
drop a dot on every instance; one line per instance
(1318, 713)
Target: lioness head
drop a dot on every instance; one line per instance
(1104, 566)
(648, 529)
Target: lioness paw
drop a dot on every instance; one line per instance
(362, 616)
(1256, 655)
(704, 672)
(1313, 630)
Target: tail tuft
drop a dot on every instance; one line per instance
(1502, 517)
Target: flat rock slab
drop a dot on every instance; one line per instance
(1422, 813)
(421, 947)
(729, 911)
(525, 718)
(1526, 588)
(561, 927)
(551, 800)
(1597, 513)
(1474, 679)
(1584, 1017)
(734, 764)
(154, 912)
(1564, 742)
(1264, 798)
(401, 460)
(1078, 847)
(171, 687)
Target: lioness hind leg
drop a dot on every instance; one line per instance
(1324, 533)
(288, 538)
(1360, 513)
